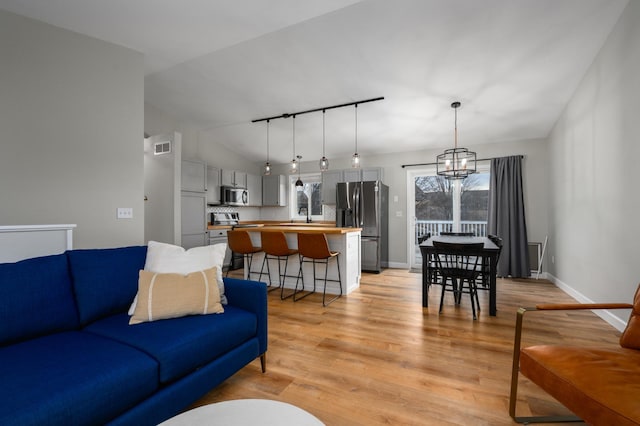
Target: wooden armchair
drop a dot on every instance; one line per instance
(600, 385)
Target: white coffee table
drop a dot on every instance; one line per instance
(248, 412)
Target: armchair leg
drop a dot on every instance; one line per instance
(515, 370)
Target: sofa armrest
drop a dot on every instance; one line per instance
(250, 296)
(517, 342)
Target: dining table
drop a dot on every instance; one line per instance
(489, 253)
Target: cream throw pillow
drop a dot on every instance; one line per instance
(162, 296)
(169, 258)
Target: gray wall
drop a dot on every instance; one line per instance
(594, 151)
(71, 114)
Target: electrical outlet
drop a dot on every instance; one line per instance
(398, 213)
(125, 213)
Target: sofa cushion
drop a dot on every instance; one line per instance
(72, 378)
(601, 386)
(168, 258)
(36, 298)
(105, 280)
(181, 345)
(162, 296)
(630, 338)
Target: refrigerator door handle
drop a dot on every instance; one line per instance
(361, 208)
(357, 218)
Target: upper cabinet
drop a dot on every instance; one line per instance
(193, 176)
(254, 188)
(233, 178)
(329, 180)
(331, 177)
(213, 185)
(274, 190)
(363, 175)
(372, 173)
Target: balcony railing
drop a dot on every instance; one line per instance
(435, 227)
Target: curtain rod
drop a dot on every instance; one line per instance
(433, 164)
(293, 114)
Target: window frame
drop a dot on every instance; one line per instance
(293, 195)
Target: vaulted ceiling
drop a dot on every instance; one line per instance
(218, 64)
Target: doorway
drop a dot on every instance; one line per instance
(437, 205)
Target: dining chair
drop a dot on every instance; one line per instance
(459, 264)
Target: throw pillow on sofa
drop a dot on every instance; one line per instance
(168, 258)
(162, 296)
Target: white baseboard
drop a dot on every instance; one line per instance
(615, 321)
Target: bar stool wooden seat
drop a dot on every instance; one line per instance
(274, 245)
(316, 248)
(240, 243)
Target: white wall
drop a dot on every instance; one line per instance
(594, 151)
(199, 145)
(71, 114)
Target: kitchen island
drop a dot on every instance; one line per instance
(344, 240)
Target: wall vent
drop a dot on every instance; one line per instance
(160, 148)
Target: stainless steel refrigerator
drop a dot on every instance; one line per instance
(366, 205)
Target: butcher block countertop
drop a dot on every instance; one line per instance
(291, 227)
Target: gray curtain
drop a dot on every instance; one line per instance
(506, 216)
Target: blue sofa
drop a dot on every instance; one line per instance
(68, 355)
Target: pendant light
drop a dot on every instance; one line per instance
(324, 163)
(355, 159)
(267, 166)
(299, 184)
(456, 163)
(294, 162)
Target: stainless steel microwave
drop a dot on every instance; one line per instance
(232, 196)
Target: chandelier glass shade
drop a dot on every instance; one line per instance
(456, 163)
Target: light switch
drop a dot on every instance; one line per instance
(395, 198)
(125, 213)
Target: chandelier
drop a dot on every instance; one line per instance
(456, 163)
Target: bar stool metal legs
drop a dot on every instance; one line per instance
(274, 245)
(315, 248)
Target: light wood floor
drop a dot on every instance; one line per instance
(377, 357)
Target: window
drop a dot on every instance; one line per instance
(307, 202)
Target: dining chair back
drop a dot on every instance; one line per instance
(459, 264)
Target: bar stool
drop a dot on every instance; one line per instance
(240, 243)
(274, 245)
(315, 247)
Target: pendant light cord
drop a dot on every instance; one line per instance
(323, 154)
(294, 137)
(267, 141)
(356, 128)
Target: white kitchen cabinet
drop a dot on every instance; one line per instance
(274, 190)
(193, 176)
(213, 185)
(329, 180)
(233, 178)
(254, 188)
